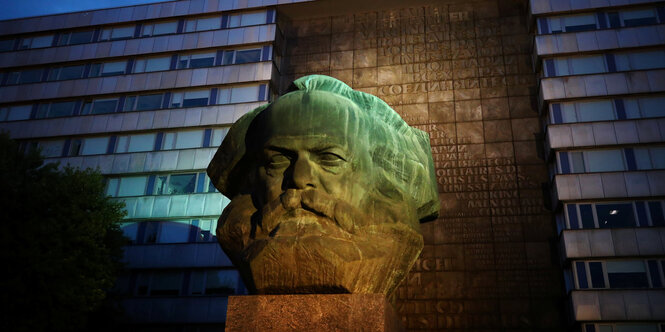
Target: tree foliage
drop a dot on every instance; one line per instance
(61, 242)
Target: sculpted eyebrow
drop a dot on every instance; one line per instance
(279, 149)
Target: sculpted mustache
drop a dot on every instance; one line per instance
(341, 213)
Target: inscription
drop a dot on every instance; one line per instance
(430, 61)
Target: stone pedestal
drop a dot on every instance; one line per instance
(315, 312)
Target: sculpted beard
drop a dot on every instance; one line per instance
(309, 225)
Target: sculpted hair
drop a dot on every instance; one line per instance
(404, 167)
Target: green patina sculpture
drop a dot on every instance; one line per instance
(328, 187)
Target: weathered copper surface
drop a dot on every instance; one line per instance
(328, 188)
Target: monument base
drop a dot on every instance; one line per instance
(312, 312)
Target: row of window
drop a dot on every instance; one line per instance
(149, 29)
(613, 215)
(162, 141)
(143, 102)
(628, 17)
(213, 282)
(162, 184)
(611, 160)
(170, 231)
(618, 274)
(607, 109)
(141, 65)
(604, 63)
(624, 327)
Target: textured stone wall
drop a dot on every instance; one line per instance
(462, 72)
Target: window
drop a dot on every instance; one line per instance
(627, 274)
(202, 24)
(245, 19)
(575, 65)
(94, 145)
(130, 230)
(205, 230)
(593, 21)
(100, 106)
(214, 282)
(638, 17)
(652, 106)
(242, 56)
(199, 282)
(196, 60)
(190, 98)
(623, 327)
(131, 186)
(66, 73)
(640, 60)
(574, 23)
(108, 69)
(24, 76)
(152, 64)
(7, 45)
(143, 102)
(156, 29)
(611, 160)
(218, 135)
(135, 143)
(604, 161)
(56, 109)
(36, 42)
(51, 149)
(15, 113)
(117, 33)
(173, 231)
(75, 38)
(614, 214)
(178, 184)
(607, 109)
(165, 284)
(181, 184)
(149, 102)
(618, 274)
(241, 94)
(183, 140)
(31, 76)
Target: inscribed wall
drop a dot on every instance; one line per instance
(462, 72)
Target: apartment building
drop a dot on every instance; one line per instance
(601, 66)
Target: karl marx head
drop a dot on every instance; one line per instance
(328, 187)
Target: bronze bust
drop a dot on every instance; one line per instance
(328, 187)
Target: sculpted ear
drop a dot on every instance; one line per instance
(228, 169)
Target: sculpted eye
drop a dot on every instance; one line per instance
(278, 161)
(330, 159)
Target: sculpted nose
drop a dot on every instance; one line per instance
(303, 176)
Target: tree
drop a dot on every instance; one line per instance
(62, 244)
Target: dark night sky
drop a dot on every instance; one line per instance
(24, 8)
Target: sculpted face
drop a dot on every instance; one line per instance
(319, 154)
(313, 212)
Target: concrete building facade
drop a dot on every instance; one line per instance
(601, 68)
(546, 119)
